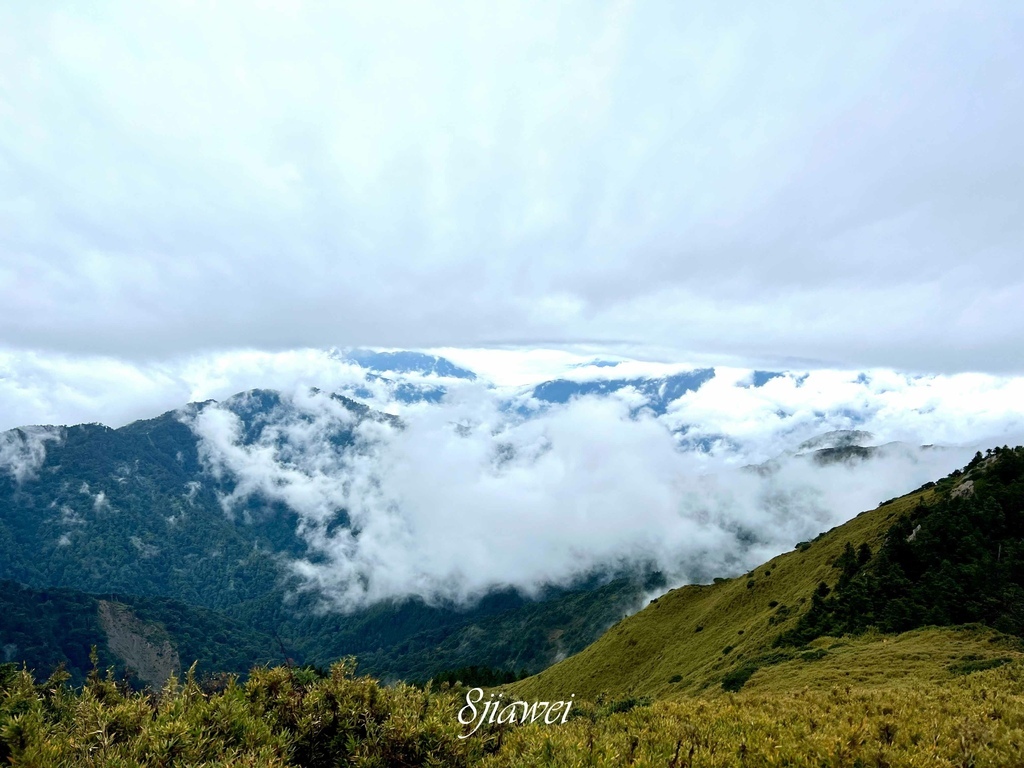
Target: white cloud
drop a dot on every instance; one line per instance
(463, 499)
(957, 409)
(39, 388)
(23, 451)
(470, 495)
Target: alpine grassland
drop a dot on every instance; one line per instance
(968, 549)
(975, 721)
(278, 717)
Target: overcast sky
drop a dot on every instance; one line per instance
(836, 183)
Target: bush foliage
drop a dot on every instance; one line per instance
(278, 717)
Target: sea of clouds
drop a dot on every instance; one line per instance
(491, 488)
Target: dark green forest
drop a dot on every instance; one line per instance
(956, 560)
(44, 629)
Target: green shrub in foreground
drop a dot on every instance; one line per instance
(277, 718)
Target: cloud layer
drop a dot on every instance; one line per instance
(467, 496)
(764, 181)
(493, 488)
(23, 451)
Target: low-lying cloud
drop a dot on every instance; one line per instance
(462, 498)
(493, 488)
(23, 451)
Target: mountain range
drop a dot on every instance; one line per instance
(892, 639)
(137, 537)
(134, 517)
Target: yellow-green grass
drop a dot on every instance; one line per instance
(933, 655)
(976, 720)
(694, 635)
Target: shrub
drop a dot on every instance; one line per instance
(966, 667)
(627, 704)
(738, 677)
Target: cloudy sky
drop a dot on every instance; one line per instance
(815, 184)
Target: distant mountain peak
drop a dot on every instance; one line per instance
(403, 361)
(837, 438)
(659, 391)
(599, 363)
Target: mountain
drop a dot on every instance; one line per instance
(760, 378)
(403, 376)
(139, 513)
(837, 438)
(504, 631)
(405, 362)
(747, 671)
(925, 586)
(893, 639)
(151, 637)
(132, 510)
(151, 511)
(658, 392)
(842, 447)
(403, 391)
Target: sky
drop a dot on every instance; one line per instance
(798, 184)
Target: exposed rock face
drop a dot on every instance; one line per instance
(966, 488)
(144, 648)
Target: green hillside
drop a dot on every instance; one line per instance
(754, 630)
(46, 628)
(529, 637)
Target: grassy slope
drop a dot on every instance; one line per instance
(977, 721)
(639, 655)
(932, 655)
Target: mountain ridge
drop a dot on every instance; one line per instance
(133, 511)
(700, 637)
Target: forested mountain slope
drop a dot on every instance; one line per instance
(135, 514)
